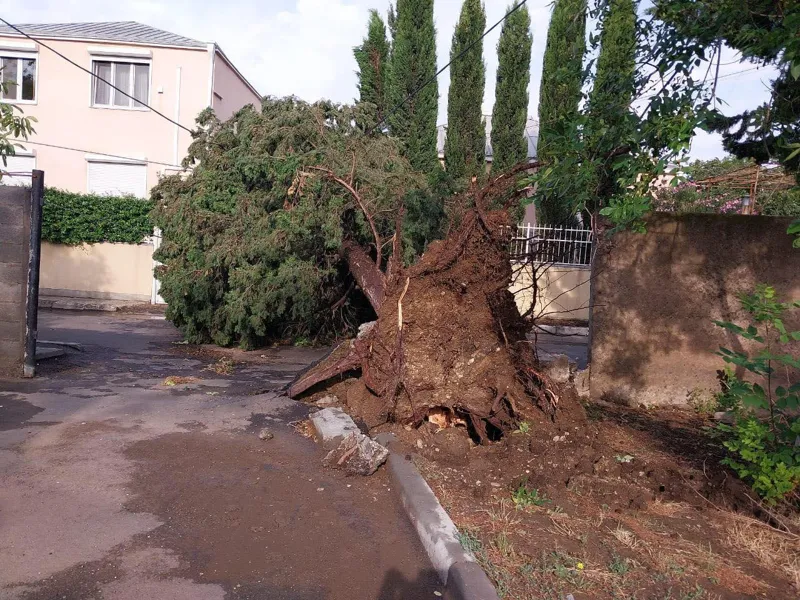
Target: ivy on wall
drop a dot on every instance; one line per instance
(69, 218)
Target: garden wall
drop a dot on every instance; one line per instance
(15, 203)
(563, 292)
(104, 270)
(656, 294)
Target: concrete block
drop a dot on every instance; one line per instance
(12, 331)
(333, 424)
(357, 454)
(12, 292)
(467, 581)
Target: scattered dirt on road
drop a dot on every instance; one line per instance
(633, 504)
(261, 526)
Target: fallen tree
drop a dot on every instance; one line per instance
(449, 340)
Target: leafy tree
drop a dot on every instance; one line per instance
(609, 123)
(413, 62)
(12, 125)
(253, 238)
(465, 145)
(372, 58)
(560, 94)
(510, 112)
(765, 32)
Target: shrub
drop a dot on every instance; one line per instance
(69, 218)
(764, 440)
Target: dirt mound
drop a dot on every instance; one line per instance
(449, 342)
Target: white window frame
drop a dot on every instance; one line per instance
(97, 57)
(20, 56)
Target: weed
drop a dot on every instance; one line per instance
(524, 497)
(524, 428)
(619, 565)
(626, 458)
(470, 542)
(504, 545)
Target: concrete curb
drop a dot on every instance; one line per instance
(463, 578)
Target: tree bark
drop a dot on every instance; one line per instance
(366, 273)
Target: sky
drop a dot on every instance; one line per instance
(304, 47)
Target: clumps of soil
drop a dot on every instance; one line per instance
(448, 337)
(633, 504)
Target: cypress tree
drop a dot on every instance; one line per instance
(413, 62)
(465, 145)
(511, 91)
(372, 58)
(610, 100)
(560, 92)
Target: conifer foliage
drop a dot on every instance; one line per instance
(252, 238)
(372, 57)
(560, 93)
(465, 145)
(511, 91)
(413, 62)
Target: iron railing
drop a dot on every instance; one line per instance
(553, 245)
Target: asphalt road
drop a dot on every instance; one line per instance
(116, 486)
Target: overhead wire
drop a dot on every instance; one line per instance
(95, 75)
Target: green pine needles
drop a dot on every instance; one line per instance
(465, 145)
(372, 57)
(509, 145)
(560, 94)
(413, 62)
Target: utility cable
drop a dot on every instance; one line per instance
(95, 75)
(136, 160)
(440, 71)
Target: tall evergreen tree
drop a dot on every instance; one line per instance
(465, 145)
(511, 91)
(413, 62)
(560, 92)
(372, 58)
(614, 85)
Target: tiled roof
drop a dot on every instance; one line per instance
(114, 31)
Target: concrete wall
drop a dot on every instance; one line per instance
(563, 292)
(111, 271)
(14, 254)
(231, 90)
(656, 296)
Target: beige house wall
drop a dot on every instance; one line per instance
(563, 291)
(114, 271)
(65, 115)
(231, 91)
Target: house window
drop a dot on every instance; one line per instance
(131, 78)
(19, 79)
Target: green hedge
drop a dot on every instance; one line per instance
(69, 218)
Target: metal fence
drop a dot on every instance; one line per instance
(555, 245)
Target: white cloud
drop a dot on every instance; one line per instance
(304, 47)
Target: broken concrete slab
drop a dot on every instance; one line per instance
(333, 424)
(357, 454)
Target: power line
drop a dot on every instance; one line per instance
(95, 75)
(440, 71)
(139, 160)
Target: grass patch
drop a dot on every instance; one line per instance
(523, 497)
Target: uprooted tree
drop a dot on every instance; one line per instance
(296, 222)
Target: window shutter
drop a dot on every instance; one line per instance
(117, 179)
(18, 164)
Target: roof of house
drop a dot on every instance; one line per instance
(531, 135)
(131, 32)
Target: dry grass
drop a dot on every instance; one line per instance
(173, 380)
(772, 549)
(626, 537)
(224, 366)
(664, 508)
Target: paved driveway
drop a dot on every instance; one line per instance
(114, 485)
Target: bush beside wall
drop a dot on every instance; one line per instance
(73, 219)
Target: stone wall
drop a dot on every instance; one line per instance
(656, 295)
(14, 254)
